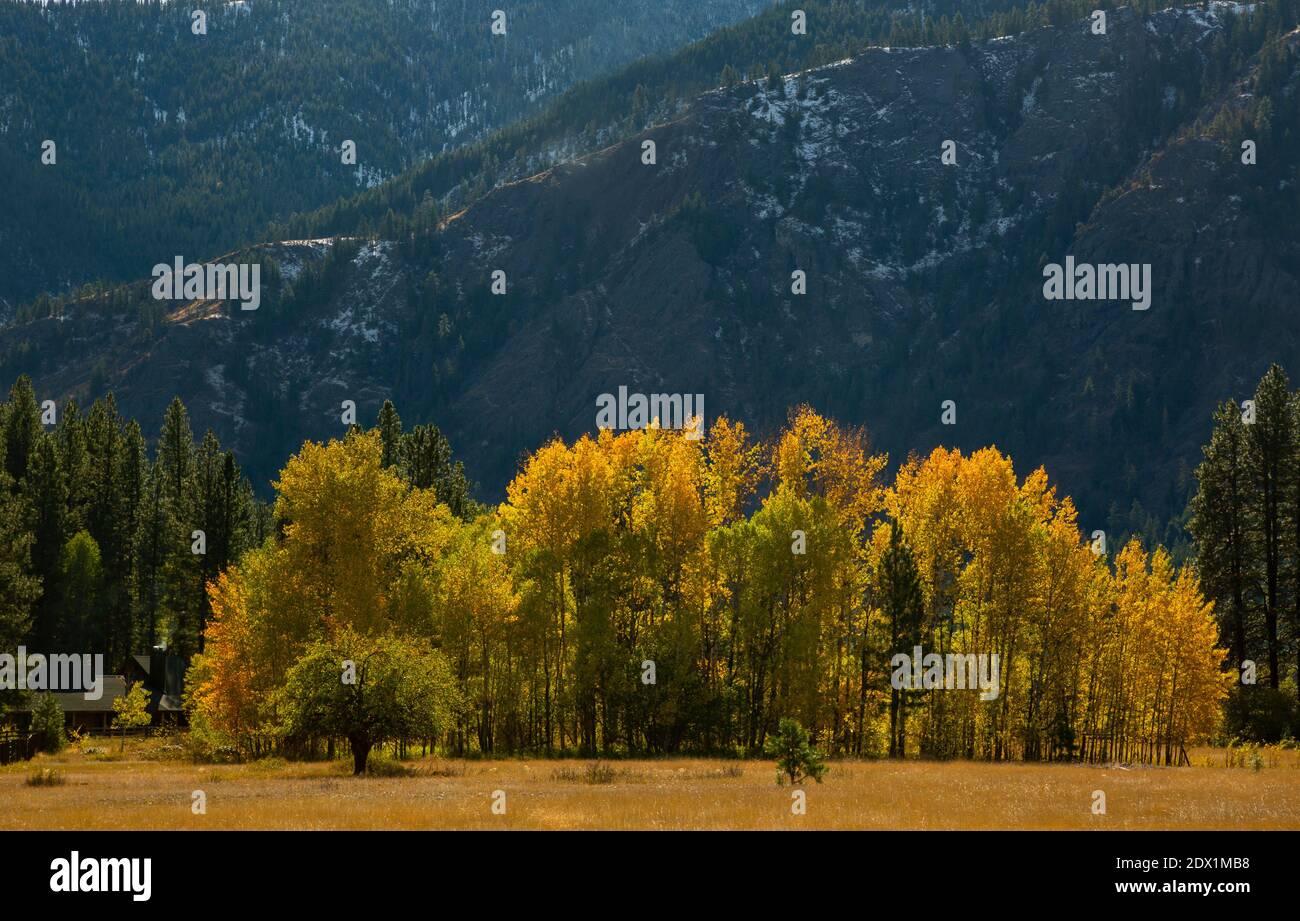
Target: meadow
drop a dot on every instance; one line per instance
(151, 785)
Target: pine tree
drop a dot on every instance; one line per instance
(22, 427)
(1220, 525)
(221, 503)
(133, 480)
(74, 462)
(1293, 516)
(796, 759)
(108, 520)
(426, 462)
(904, 607)
(183, 597)
(19, 588)
(1271, 445)
(154, 538)
(46, 496)
(390, 433)
(176, 454)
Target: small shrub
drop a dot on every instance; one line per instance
(385, 766)
(796, 759)
(271, 764)
(204, 746)
(595, 773)
(730, 771)
(45, 777)
(47, 723)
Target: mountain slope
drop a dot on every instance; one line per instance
(924, 280)
(192, 143)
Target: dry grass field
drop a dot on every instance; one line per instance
(150, 786)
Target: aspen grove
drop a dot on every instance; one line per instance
(644, 592)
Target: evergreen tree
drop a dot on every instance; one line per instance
(220, 501)
(155, 535)
(390, 433)
(176, 454)
(902, 601)
(47, 498)
(1220, 524)
(426, 462)
(74, 462)
(182, 573)
(796, 759)
(22, 427)
(108, 520)
(19, 588)
(1271, 445)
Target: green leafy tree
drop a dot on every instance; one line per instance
(47, 723)
(131, 711)
(369, 690)
(81, 579)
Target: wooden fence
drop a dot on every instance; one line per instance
(16, 746)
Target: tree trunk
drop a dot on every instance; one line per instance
(361, 746)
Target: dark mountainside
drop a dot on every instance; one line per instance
(189, 143)
(924, 280)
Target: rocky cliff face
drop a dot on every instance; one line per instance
(924, 279)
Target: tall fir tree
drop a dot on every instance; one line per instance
(1221, 527)
(903, 604)
(155, 536)
(1272, 451)
(75, 464)
(19, 587)
(22, 428)
(108, 520)
(390, 433)
(47, 497)
(183, 569)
